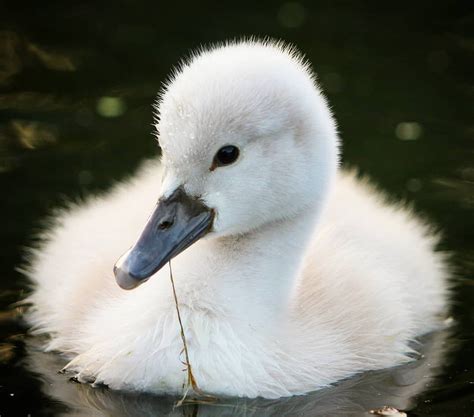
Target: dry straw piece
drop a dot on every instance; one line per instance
(191, 384)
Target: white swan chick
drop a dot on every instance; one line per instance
(291, 273)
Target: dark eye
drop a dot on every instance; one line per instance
(226, 156)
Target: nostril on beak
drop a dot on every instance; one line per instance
(166, 224)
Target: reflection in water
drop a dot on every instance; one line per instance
(17, 52)
(30, 134)
(23, 135)
(58, 60)
(33, 101)
(397, 387)
(111, 106)
(408, 130)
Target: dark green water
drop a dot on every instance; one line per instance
(76, 86)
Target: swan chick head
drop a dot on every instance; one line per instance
(247, 140)
(244, 128)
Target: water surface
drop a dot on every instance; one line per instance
(76, 86)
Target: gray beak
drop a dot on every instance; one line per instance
(177, 222)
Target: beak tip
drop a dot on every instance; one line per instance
(125, 280)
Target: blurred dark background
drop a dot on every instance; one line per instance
(77, 81)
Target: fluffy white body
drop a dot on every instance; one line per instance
(307, 277)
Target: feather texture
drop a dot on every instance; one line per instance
(310, 275)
